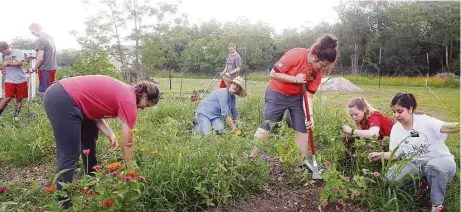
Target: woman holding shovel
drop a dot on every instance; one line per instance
(297, 66)
(420, 140)
(77, 107)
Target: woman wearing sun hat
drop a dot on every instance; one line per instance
(219, 107)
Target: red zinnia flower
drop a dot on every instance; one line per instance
(341, 201)
(325, 203)
(3, 189)
(328, 164)
(85, 190)
(115, 173)
(126, 178)
(49, 189)
(107, 203)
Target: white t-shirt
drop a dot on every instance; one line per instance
(427, 140)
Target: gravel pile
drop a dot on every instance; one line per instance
(338, 84)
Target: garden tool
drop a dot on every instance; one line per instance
(213, 82)
(32, 86)
(316, 172)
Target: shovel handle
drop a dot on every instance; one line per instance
(308, 118)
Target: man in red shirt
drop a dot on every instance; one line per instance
(296, 67)
(77, 107)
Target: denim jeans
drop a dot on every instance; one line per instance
(203, 125)
(437, 170)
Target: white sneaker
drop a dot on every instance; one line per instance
(437, 208)
(16, 118)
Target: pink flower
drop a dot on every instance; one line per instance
(325, 203)
(341, 202)
(328, 164)
(86, 151)
(3, 189)
(357, 193)
(204, 170)
(348, 179)
(115, 173)
(377, 174)
(126, 178)
(97, 167)
(336, 189)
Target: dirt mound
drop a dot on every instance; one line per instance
(338, 84)
(280, 195)
(445, 75)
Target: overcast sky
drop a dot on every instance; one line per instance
(59, 17)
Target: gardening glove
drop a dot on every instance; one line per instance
(346, 129)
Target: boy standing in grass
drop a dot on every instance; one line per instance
(46, 57)
(233, 64)
(12, 62)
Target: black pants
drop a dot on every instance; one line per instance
(72, 133)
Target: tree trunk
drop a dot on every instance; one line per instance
(119, 44)
(446, 58)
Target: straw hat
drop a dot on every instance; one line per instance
(240, 82)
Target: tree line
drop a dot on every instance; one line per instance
(392, 38)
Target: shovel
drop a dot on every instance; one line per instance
(316, 172)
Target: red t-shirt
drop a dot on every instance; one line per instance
(101, 97)
(293, 62)
(384, 123)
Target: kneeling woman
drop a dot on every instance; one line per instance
(77, 107)
(370, 122)
(220, 104)
(422, 139)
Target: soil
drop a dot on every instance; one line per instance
(39, 173)
(279, 195)
(339, 85)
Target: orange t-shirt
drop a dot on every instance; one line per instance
(293, 62)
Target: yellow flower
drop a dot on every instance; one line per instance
(155, 152)
(133, 130)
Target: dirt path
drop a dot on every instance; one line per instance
(39, 173)
(280, 196)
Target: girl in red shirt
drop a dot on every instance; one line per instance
(370, 122)
(296, 67)
(77, 107)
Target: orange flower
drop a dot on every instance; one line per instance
(49, 189)
(107, 203)
(132, 173)
(114, 166)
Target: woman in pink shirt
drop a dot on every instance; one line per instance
(77, 107)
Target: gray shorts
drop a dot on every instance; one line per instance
(275, 106)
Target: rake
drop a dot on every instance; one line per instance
(316, 172)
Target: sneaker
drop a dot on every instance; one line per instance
(437, 208)
(16, 116)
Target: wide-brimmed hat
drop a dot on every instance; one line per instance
(240, 82)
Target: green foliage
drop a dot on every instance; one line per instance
(94, 63)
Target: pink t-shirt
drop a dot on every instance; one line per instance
(101, 97)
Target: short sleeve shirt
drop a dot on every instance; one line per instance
(14, 75)
(384, 123)
(46, 43)
(292, 63)
(102, 97)
(233, 61)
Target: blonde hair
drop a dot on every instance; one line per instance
(362, 104)
(232, 44)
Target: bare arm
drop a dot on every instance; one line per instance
(15, 63)
(39, 59)
(450, 128)
(235, 70)
(374, 156)
(128, 143)
(282, 77)
(103, 127)
(370, 133)
(230, 122)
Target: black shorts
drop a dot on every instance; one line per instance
(275, 106)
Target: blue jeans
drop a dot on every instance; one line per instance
(203, 125)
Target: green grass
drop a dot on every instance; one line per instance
(163, 139)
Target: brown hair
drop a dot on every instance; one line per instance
(362, 104)
(406, 100)
(232, 44)
(326, 48)
(150, 88)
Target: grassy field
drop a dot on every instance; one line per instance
(184, 171)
